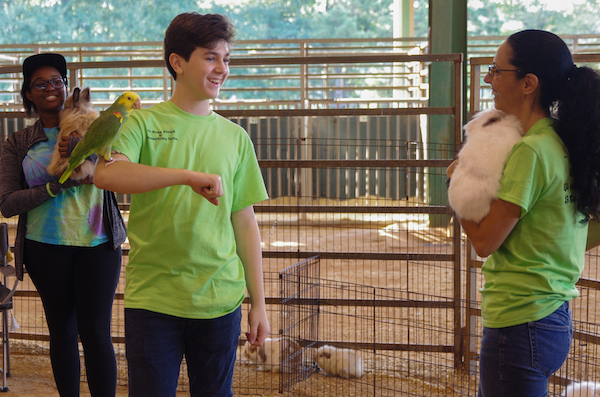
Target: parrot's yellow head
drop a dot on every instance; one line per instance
(130, 100)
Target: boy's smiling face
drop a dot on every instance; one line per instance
(205, 72)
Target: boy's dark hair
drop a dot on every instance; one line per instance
(190, 30)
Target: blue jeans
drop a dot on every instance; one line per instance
(518, 361)
(156, 344)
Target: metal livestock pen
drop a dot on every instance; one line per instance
(359, 246)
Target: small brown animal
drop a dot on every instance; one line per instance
(75, 119)
(270, 356)
(346, 363)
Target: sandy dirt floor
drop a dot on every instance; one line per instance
(421, 374)
(31, 376)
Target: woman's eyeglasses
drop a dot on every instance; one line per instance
(493, 69)
(43, 85)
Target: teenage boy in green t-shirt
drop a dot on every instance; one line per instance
(193, 251)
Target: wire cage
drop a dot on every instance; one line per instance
(403, 338)
(360, 249)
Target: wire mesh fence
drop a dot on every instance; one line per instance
(360, 252)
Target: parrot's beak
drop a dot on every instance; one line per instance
(137, 105)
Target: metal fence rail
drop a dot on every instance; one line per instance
(347, 162)
(332, 100)
(139, 66)
(348, 157)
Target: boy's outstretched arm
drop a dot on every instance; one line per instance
(123, 176)
(247, 238)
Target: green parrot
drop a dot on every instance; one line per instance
(103, 132)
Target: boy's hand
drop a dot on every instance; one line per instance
(207, 185)
(259, 326)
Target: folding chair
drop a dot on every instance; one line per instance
(6, 303)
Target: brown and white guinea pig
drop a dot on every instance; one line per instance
(272, 353)
(346, 363)
(76, 117)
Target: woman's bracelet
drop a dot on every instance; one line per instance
(49, 190)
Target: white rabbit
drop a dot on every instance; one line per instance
(346, 363)
(76, 116)
(583, 389)
(270, 355)
(490, 136)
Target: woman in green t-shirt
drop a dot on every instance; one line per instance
(536, 231)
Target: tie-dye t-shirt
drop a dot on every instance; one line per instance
(74, 216)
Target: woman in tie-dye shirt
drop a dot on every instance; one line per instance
(68, 236)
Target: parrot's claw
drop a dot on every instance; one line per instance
(112, 161)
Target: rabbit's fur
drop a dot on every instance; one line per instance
(272, 353)
(76, 117)
(490, 136)
(583, 389)
(346, 363)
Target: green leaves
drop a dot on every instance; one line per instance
(81, 21)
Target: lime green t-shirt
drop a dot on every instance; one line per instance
(537, 266)
(183, 259)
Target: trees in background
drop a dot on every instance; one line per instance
(502, 17)
(81, 21)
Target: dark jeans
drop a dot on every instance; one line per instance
(518, 361)
(77, 287)
(156, 344)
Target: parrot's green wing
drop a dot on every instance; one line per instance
(101, 134)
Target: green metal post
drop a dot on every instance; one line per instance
(448, 34)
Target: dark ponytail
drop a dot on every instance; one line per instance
(578, 125)
(572, 94)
